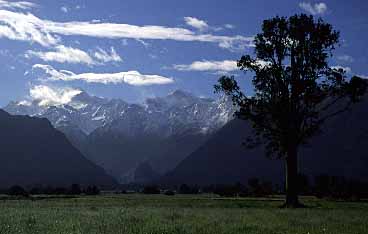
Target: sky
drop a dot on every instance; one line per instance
(135, 49)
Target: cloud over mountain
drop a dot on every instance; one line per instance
(48, 96)
(134, 78)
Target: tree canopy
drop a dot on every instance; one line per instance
(295, 88)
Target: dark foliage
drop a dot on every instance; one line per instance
(60, 191)
(169, 193)
(35, 191)
(304, 187)
(255, 188)
(75, 189)
(260, 188)
(92, 190)
(17, 191)
(339, 188)
(231, 190)
(49, 191)
(296, 90)
(152, 189)
(186, 189)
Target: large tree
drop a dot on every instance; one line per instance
(295, 89)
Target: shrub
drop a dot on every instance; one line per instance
(231, 190)
(75, 189)
(92, 190)
(339, 188)
(185, 189)
(17, 191)
(260, 188)
(151, 190)
(169, 193)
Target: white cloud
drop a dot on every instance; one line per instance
(226, 65)
(47, 96)
(130, 77)
(144, 43)
(196, 23)
(219, 67)
(24, 103)
(345, 58)
(314, 9)
(229, 26)
(16, 5)
(63, 54)
(346, 69)
(105, 57)
(349, 71)
(124, 42)
(363, 76)
(202, 25)
(64, 9)
(27, 27)
(153, 56)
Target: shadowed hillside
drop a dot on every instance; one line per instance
(224, 160)
(32, 152)
(340, 150)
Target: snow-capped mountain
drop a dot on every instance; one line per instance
(120, 136)
(168, 115)
(84, 111)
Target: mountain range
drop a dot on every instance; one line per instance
(181, 138)
(120, 136)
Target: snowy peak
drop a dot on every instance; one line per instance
(167, 115)
(177, 98)
(85, 98)
(180, 95)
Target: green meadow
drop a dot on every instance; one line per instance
(184, 214)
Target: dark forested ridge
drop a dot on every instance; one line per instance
(224, 160)
(32, 152)
(340, 150)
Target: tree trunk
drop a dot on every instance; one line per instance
(291, 182)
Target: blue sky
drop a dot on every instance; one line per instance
(138, 49)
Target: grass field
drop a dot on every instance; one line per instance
(159, 214)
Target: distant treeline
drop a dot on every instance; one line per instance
(74, 189)
(323, 186)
